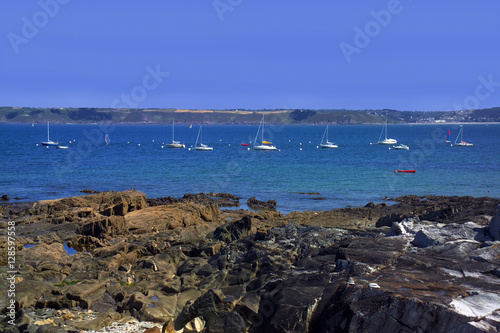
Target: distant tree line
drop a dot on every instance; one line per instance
(89, 114)
(299, 115)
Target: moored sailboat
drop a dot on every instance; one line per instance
(265, 145)
(327, 143)
(49, 142)
(462, 143)
(386, 141)
(201, 147)
(175, 144)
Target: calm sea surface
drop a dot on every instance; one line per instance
(354, 174)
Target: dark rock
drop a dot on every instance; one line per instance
(84, 293)
(5, 197)
(229, 322)
(234, 230)
(257, 204)
(90, 191)
(388, 220)
(161, 201)
(304, 272)
(209, 306)
(50, 329)
(370, 205)
(408, 199)
(219, 199)
(110, 226)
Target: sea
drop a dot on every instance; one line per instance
(299, 175)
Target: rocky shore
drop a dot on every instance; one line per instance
(120, 262)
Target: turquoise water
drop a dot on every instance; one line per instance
(354, 174)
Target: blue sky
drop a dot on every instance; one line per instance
(406, 55)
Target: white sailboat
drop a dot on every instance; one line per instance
(386, 141)
(175, 144)
(49, 142)
(327, 143)
(265, 145)
(462, 143)
(201, 147)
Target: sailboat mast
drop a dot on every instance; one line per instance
(196, 143)
(48, 132)
(257, 135)
(262, 128)
(172, 131)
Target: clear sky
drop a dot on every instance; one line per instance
(353, 54)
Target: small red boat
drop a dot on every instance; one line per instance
(405, 171)
(245, 144)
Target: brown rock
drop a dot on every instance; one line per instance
(257, 204)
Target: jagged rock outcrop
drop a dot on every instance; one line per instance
(238, 271)
(257, 204)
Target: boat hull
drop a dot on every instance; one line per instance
(264, 147)
(176, 145)
(388, 142)
(50, 143)
(204, 148)
(328, 146)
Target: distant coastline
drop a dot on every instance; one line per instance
(238, 116)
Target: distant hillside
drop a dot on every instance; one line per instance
(240, 116)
